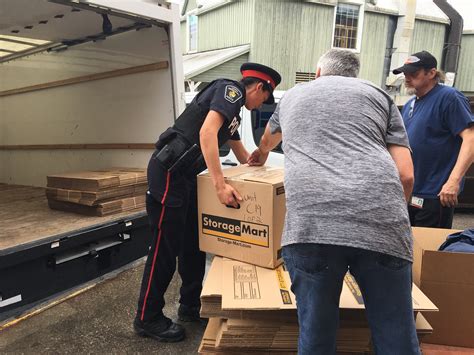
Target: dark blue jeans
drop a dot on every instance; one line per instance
(317, 273)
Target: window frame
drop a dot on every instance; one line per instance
(188, 39)
(360, 24)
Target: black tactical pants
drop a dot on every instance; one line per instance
(172, 213)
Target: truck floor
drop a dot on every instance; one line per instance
(27, 219)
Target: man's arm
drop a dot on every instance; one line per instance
(268, 142)
(448, 195)
(239, 150)
(210, 150)
(402, 158)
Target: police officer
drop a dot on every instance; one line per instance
(182, 151)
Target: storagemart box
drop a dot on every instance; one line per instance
(251, 233)
(447, 278)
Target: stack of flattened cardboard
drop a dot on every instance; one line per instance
(98, 192)
(252, 310)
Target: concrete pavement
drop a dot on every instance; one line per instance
(99, 320)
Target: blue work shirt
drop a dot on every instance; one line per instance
(433, 123)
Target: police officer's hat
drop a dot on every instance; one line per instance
(264, 73)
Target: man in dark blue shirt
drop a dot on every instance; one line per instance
(439, 122)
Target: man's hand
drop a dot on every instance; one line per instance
(448, 195)
(228, 195)
(257, 158)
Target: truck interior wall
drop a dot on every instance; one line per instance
(133, 108)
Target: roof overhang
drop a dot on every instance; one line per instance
(197, 63)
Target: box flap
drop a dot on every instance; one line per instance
(448, 268)
(246, 286)
(440, 266)
(263, 174)
(431, 238)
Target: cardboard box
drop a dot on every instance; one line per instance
(447, 278)
(251, 233)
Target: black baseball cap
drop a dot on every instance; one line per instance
(264, 73)
(417, 61)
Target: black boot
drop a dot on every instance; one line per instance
(189, 314)
(162, 329)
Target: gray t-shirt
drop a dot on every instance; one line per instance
(342, 186)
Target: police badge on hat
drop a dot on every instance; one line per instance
(232, 94)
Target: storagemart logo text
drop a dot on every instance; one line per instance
(248, 232)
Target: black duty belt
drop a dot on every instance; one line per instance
(176, 155)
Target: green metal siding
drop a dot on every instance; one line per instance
(465, 76)
(229, 70)
(374, 43)
(226, 26)
(428, 36)
(290, 36)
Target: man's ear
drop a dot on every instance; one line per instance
(318, 72)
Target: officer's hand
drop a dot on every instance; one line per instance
(257, 158)
(449, 194)
(229, 196)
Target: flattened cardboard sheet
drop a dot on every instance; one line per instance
(102, 209)
(245, 286)
(91, 198)
(96, 180)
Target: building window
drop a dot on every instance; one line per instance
(192, 32)
(346, 26)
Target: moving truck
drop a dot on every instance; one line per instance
(84, 85)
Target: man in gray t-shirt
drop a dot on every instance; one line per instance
(348, 176)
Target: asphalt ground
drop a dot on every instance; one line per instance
(96, 318)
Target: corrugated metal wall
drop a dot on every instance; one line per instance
(226, 26)
(291, 36)
(428, 36)
(374, 43)
(465, 76)
(229, 70)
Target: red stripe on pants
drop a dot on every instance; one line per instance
(157, 245)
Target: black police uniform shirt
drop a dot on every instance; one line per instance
(224, 96)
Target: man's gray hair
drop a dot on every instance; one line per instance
(339, 62)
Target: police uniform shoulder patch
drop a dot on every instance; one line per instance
(232, 94)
